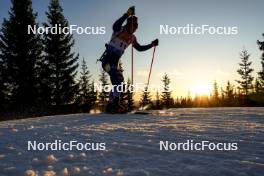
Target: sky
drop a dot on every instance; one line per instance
(192, 62)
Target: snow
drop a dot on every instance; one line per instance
(132, 144)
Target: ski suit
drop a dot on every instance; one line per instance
(120, 40)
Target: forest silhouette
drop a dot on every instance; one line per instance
(38, 74)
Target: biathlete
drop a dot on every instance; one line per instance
(122, 37)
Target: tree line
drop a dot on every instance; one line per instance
(248, 92)
(38, 73)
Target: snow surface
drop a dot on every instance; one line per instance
(132, 143)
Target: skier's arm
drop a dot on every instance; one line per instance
(139, 47)
(118, 24)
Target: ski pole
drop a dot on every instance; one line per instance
(132, 55)
(153, 54)
(132, 65)
(132, 41)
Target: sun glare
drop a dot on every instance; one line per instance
(201, 90)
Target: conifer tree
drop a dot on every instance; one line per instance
(261, 73)
(157, 102)
(215, 94)
(129, 96)
(61, 60)
(257, 86)
(189, 99)
(84, 85)
(166, 98)
(3, 88)
(245, 71)
(215, 91)
(20, 52)
(92, 94)
(228, 94)
(103, 95)
(145, 98)
(222, 95)
(229, 91)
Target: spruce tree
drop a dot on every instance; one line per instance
(258, 95)
(222, 94)
(183, 102)
(103, 94)
(228, 94)
(257, 86)
(166, 98)
(129, 96)
(20, 52)
(215, 94)
(215, 91)
(84, 85)
(3, 88)
(92, 94)
(229, 91)
(145, 99)
(189, 99)
(245, 71)
(157, 102)
(261, 73)
(61, 60)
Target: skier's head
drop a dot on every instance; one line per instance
(132, 24)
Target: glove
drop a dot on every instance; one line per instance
(131, 11)
(155, 42)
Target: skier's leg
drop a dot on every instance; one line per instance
(117, 78)
(109, 64)
(106, 65)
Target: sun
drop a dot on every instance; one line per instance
(203, 89)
